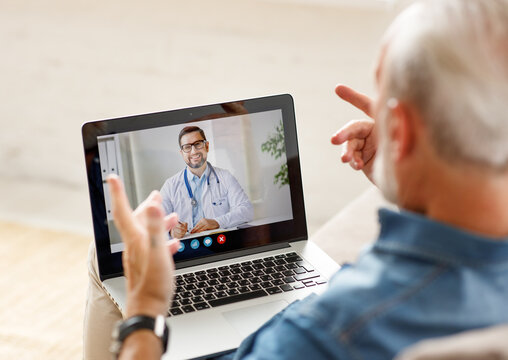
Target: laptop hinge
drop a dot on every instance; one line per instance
(231, 255)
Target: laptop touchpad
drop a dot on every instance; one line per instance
(248, 319)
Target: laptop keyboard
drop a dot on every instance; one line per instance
(243, 281)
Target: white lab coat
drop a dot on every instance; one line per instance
(225, 202)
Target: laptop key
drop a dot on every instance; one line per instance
(273, 290)
(232, 285)
(299, 270)
(186, 301)
(243, 289)
(212, 282)
(222, 268)
(201, 306)
(281, 256)
(232, 292)
(220, 294)
(289, 279)
(286, 287)
(188, 308)
(320, 280)
(176, 311)
(190, 287)
(244, 282)
(306, 276)
(298, 286)
(201, 284)
(277, 282)
(221, 287)
(266, 284)
(209, 290)
(254, 287)
(236, 298)
(197, 299)
(209, 297)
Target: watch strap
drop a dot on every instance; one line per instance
(157, 325)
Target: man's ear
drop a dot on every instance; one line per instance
(402, 129)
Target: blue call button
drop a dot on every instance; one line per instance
(194, 244)
(207, 241)
(182, 246)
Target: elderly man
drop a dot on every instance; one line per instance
(205, 197)
(438, 148)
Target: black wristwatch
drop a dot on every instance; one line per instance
(125, 328)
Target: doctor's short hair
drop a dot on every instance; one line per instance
(190, 129)
(449, 59)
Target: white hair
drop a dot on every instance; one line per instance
(449, 58)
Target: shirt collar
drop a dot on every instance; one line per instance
(416, 235)
(191, 176)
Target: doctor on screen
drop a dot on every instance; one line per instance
(204, 197)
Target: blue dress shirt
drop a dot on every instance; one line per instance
(197, 185)
(420, 279)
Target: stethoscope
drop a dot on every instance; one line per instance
(189, 190)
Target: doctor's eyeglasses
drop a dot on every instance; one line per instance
(198, 145)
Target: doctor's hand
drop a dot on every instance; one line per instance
(205, 224)
(147, 261)
(179, 230)
(359, 136)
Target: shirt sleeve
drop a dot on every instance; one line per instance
(298, 332)
(240, 207)
(167, 204)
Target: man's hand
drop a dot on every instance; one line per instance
(359, 135)
(179, 230)
(205, 224)
(148, 264)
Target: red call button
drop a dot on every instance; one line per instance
(221, 239)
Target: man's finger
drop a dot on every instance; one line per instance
(155, 224)
(170, 221)
(174, 245)
(351, 147)
(356, 129)
(358, 100)
(122, 212)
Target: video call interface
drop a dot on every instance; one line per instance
(224, 177)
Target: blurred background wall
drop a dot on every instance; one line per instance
(66, 62)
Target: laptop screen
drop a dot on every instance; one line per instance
(230, 171)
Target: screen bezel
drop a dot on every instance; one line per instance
(110, 264)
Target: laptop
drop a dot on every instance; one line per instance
(232, 278)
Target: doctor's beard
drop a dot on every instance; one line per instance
(198, 165)
(384, 169)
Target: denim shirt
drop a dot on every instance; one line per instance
(420, 279)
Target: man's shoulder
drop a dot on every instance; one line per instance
(171, 181)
